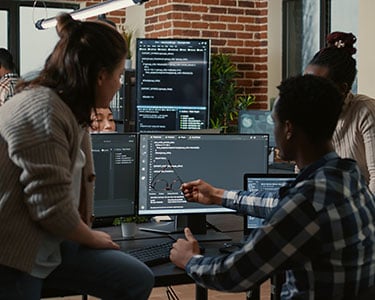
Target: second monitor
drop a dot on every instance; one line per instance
(168, 160)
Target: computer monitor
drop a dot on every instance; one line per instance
(116, 166)
(268, 182)
(172, 84)
(167, 160)
(257, 121)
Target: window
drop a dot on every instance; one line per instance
(3, 33)
(303, 32)
(29, 46)
(306, 23)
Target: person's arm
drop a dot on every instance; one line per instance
(269, 247)
(202, 192)
(368, 131)
(84, 235)
(257, 204)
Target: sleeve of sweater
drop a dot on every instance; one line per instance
(42, 140)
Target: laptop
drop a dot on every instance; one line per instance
(270, 182)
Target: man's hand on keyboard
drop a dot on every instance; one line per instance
(184, 249)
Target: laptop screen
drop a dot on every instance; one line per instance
(269, 182)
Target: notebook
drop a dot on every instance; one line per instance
(270, 182)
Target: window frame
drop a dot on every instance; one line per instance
(13, 9)
(324, 30)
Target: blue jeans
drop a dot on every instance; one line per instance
(106, 274)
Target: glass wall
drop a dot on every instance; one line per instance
(344, 17)
(30, 47)
(301, 34)
(4, 33)
(36, 45)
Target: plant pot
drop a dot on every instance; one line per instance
(128, 64)
(128, 230)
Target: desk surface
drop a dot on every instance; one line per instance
(169, 274)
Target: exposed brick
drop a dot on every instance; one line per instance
(235, 27)
(228, 19)
(210, 34)
(210, 2)
(218, 10)
(180, 7)
(217, 26)
(246, 3)
(200, 25)
(235, 43)
(192, 16)
(245, 67)
(227, 34)
(236, 11)
(210, 18)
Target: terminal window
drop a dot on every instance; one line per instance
(172, 84)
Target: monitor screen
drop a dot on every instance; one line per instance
(172, 84)
(167, 160)
(116, 166)
(267, 182)
(257, 121)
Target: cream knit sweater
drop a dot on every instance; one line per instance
(354, 136)
(38, 148)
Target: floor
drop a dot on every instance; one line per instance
(187, 292)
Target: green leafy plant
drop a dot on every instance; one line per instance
(225, 103)
(128, 36)
(130, 219)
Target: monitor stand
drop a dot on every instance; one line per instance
(196, 223)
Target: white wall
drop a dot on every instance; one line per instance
(274, 47)
(366, 48)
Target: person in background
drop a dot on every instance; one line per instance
(8, 76)
(354, 136)
(46, 175)
(102, 120)
(322, 232)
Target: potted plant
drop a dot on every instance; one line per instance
(129, 224)
(225, 103)
(128, 36)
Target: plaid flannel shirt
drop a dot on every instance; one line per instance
(320, 231)
(7, 86)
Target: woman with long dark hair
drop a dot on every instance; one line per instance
(46, 174)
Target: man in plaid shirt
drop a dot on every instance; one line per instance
(319, 229)
(8, 76)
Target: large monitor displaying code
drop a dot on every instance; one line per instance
(172, 84)
(168, 160)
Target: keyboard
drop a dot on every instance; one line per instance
(152, 255)
(287, 166)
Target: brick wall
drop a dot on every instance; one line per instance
(235, 27)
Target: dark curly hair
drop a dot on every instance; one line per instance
(311, 103)
(6, 60)
(338, 58)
